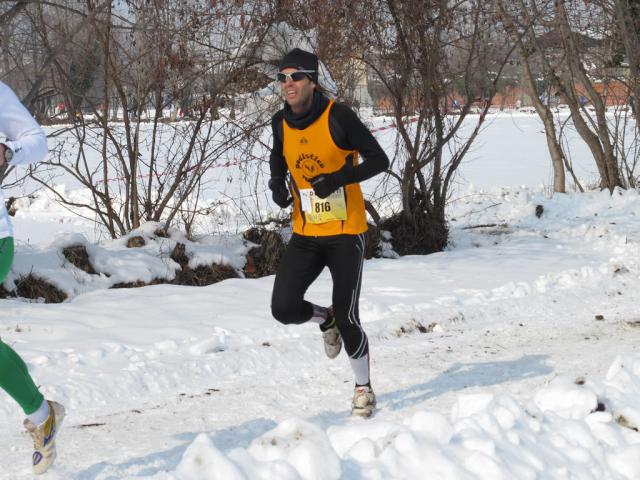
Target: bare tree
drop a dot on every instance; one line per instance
(160, 53)
(622, 30)
(626, 16)
(577, 47)
(520, 27)
(10, 11)
(595, 132)
(426, 54)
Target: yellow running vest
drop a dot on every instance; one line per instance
(308, 153)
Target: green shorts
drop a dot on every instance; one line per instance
(6, 256)
(14, 375)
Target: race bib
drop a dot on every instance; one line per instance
(322, 210)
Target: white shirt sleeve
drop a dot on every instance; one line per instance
(25, 137)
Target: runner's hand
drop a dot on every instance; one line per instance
(327, 183)
(280, 192)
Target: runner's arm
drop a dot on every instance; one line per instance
(25, 137)
(349, 133)
(277, 163)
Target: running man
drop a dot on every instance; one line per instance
(26, 143)
(317, 144)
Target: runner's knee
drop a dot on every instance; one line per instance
(288, 313)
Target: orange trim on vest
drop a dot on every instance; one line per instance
(310, 152)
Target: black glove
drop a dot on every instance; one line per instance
(280, 192)
(327, 183)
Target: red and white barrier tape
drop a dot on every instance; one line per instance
(239, 162)
(167, 172)
(393, 125)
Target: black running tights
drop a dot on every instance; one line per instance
(302, 262)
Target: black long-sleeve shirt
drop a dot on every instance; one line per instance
(347, 131)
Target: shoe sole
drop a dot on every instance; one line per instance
(333, 355)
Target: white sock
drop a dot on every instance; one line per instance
(319, 315)
(40, 415)
(360, 367)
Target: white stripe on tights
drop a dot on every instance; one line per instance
(354, 296)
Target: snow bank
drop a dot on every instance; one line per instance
(559, 434)
(503, 219)
(116, 263)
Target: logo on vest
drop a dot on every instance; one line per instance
(310, 165)
(303, 141)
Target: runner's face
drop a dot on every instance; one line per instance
(299, 95)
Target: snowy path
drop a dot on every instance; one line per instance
(413, 372)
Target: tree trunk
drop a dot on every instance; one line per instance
(543, 111)
(597, 139)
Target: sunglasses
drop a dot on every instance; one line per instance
(294, 76)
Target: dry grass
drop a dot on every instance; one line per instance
(78, 256)
(263, 260)
(34, 288)
(204, 275)
(420, 235)
(372, 243)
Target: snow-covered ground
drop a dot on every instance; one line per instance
(512, 355)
